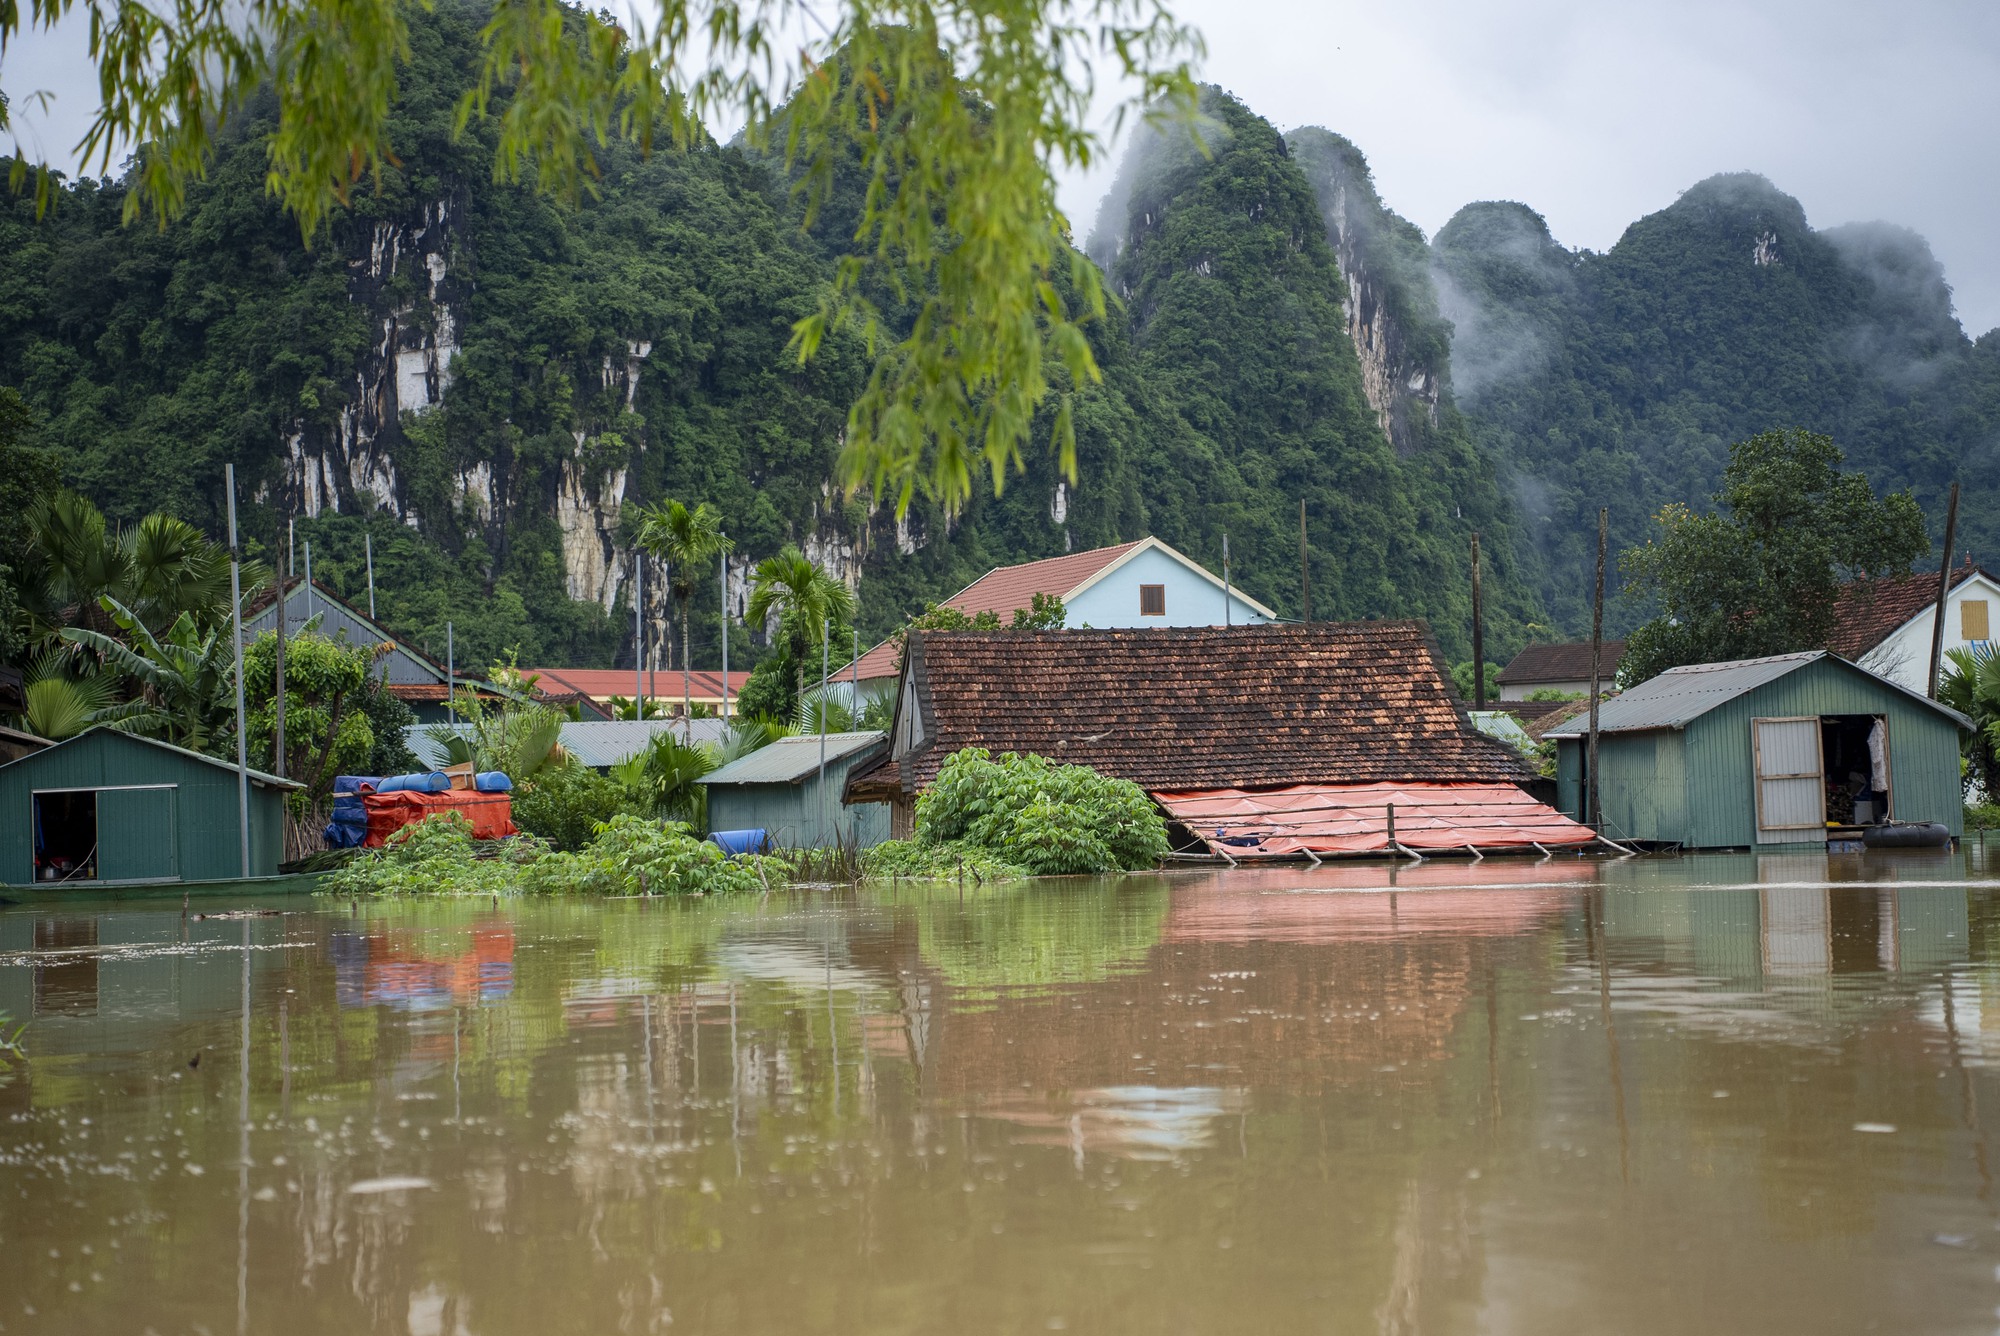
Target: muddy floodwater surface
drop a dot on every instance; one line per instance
(1713, 1094)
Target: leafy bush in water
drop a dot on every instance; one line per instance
(566, 804)
(628, 855)
(914, 860)
(435, 856)
(634, 856)
(1044, 817)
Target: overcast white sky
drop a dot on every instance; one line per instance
(1593, 112)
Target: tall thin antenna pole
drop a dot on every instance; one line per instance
(1478, 633)
(450, 673)
(1944, 587)
(1593, 796)
(723, 562)
(1225, 579)
(368, 544)
(311, 607)
(1305, 571)
(825, 636)
(855, 704)
(236, 617)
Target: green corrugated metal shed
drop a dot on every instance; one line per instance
(133, 809)
(777, 789)
(1678, 756)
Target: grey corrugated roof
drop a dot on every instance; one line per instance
(789, 760)
(256, 776)
(593, 742)
(1679, 696)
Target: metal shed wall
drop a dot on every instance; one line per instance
(791, 812)
(1704, 786)
(201, 827)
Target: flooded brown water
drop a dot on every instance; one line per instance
(1720, 1094)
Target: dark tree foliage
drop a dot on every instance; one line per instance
(26, 475)
(1762, 575)
(1621, 379)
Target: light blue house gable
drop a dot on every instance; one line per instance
(1153, 585)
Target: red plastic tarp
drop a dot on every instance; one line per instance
(1354, 818)
(491, 814)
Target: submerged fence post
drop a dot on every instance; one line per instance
(1392, 825)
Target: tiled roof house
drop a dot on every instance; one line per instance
(1253, 707)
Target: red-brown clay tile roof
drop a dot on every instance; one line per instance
(885, 660)
(1561, 663)
(1869, 610)
(1011, 588)
(1198, 707)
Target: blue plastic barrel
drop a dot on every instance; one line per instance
(742, 841)
(437, 781)
(492, 781)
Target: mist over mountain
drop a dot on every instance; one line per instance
(486, 382)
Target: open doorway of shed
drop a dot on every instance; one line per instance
(66, 836)
(1858, 790)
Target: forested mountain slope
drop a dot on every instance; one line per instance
(1621, 379)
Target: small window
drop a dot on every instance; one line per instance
(1152, 600)
(1972, 619)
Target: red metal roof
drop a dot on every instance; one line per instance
(604, 683)
(1356, 818)
(1008, 589)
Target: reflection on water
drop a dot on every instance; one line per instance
(1717, 1094)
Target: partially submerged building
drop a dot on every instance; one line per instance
(108, 807)
(779, 790)
(1258, 740)
(1762, 752)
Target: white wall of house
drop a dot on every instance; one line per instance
(1904, 656)
(1189, 597)
(1522, 690)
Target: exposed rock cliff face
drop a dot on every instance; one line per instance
(1392, 307)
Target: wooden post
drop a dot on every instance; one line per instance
(1305, 570)
(1593, 815)
(1478, 634)
(1944, 587)
(236, 620)
(1392, 825)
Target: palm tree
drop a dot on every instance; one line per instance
(687, 540)
(805, 599)
(62, 704)
(1971, 685)
(158, 569)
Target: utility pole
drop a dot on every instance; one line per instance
(1593, 796)
(825, 635)
(1305, 570)
(1225, 580)
(311, 607)
(236, 619)
(723, 561)
(1944, 587)
(450, 674)
(639, 636)
(1478, 634)
(278, 657)
(368, 544)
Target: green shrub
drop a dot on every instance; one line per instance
(914, 860)
(566, 804)
(1044, 817)
(435, 856)
(628, 855)
(1982, 816)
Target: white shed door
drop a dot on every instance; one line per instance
(1791, 785)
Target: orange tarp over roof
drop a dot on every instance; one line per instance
(1354, 818)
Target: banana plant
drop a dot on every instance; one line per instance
(183, 678)
(1971, 685)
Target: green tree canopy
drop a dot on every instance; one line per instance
(1763, 573)
(959, 111)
